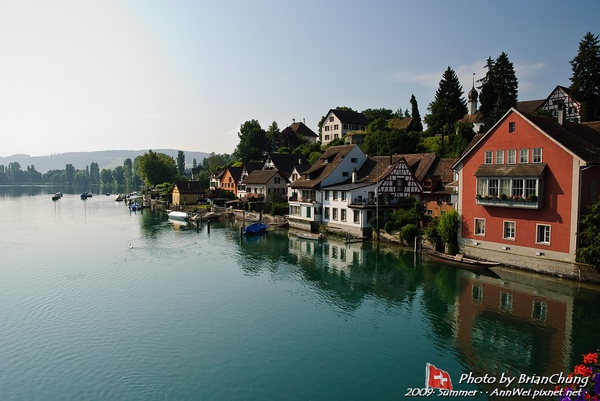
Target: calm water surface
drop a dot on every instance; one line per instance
(187, 314)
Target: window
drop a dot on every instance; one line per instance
(493, 187)
(327, 213)
(505, 186)
(483, 187)
(479, 226)
(295, 210)
(400, 184)
(499, 157)
(356, 216)
(277, 180)
(539, 310)
(530, 187)
(343, 215)
(326, 137)
(517, 187)
(477, 293)
(487, 158)
(343, 196)
(543, 234)
(536, 155)
(336, 127)
(512, 156)
(326, 195)
(327, 128)
(345, 174)
(308, 211)
(354, 160)
(345, 126)
(509, 230)
(335, 195)
(511, 127)
(523, 155)
(506, 301)
(331, 118)
(335, 213)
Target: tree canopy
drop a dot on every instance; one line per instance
(499, 89)
(253, 143)
(156, 168)
(448, 106)
(585, 80)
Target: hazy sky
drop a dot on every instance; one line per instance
(143, 74)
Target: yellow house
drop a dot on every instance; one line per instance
(187, 193)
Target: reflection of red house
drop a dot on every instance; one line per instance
(520, 326)
(523, 187)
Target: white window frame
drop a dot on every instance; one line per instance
(523, 155)
(536, 155)
(479, 228)
(488, 157)
(511, 157)
(505, 225)
(499, 157)
(546, 234)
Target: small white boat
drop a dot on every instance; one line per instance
(177, 215)
(312, 236)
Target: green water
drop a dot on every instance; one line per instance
(100, 304)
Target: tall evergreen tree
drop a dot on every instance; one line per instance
(273, 136)
(585, 85)
(448, 107)
(417, 124)
(499, 89)
(180, 163)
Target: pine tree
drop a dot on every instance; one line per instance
(448, 107)
(417, 125)
(499, 89)
(585, 85)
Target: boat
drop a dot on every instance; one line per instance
(461, 261)
(57, 196)
(85, 195)
(311, 236)
(210, 216)
(255, 228)
(119, 198)
(173, 215)
(134, 207)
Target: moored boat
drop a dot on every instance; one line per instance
(255, 228)
(311, 236)
(174, 215)
(461, 261)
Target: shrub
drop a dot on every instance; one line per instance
(409, 232)
(390, 227)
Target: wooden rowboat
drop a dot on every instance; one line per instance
(461, 261)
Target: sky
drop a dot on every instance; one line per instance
(79, 76)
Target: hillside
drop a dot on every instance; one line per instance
(105, 159)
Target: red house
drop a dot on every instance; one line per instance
(523, 187)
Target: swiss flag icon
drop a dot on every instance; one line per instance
(437, 378)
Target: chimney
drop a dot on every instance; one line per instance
(560, 113)
(353, 175)
(293, 121)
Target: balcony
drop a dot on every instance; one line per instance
(523, 203)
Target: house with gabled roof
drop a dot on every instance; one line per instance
(215, 179)
(376, 189)
(247, 168)
(293, 135)
(187, 193)
(338, 123)
(333, 167)
(230, 178)
(523, 187)
(261, 184)
(439, 188)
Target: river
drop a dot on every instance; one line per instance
(102, 304)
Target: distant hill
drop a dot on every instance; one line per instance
(105, 159)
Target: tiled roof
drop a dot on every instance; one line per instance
(400, 123)
(189, 187)
(476, 118)
(511, 170)
(419, 163)
(235, 172)
(529, 106)
(323, 167)
(580, 139)
(350, 117)
(251, 166)
(286, 162)
(261, 176)
(302, 129)
(442, 168)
